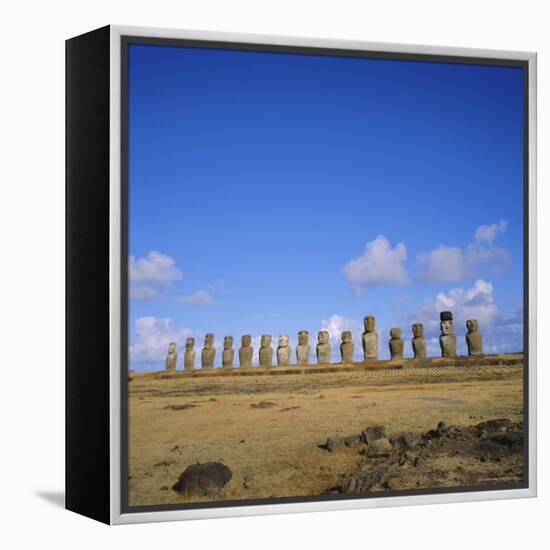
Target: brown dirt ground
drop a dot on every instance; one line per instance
(268, 430)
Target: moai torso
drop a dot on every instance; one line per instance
(346, 347)
(246, 351)
(474, 340)
(370, 338)
(447, 340)
(323, 347)
(266, 351)
(396, 343)
(303, 349)
(208, 352)
(190, 353)
(283, 350)
(172, 357)
(228, 353)
(418, 341)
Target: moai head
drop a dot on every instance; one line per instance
(446, 325)
(209, 340)
(283, 340)
(322, 337)
(189, 344)
(346, 336)
(246, 339)
(418, 330)
(172, 347)
(227, 342)
(303, 336)
(369, 323)
(472, 325)
(265, 341)
(395, 333)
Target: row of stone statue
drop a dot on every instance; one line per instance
(447, 341)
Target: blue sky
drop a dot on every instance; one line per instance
(273, 192)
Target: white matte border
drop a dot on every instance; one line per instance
(115, 278)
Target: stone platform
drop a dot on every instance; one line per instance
(508, 359)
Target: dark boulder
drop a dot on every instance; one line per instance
(203, 479)
(372, 433)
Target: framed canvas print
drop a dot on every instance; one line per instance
(300, 274)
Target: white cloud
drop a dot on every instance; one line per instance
(500, 334)
(453, 264)
(379, 264)
(219, 285)
(445, 263)
(200, 298)
(488, 233)
(149, 274)
(151, 338)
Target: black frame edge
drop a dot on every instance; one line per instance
(87, 417)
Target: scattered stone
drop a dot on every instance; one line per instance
(361, 482)
(408, 440)
(203, 479)
(496, 425)
(163, 463)
(379, 447)
(263, 405)
(289, 409)
(352, 440)
(334, 442)
(512, 441)
(372, 433)
(179, 407)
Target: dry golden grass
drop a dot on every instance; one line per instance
(268, 429)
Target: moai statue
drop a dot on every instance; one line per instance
(346, 347)
(303, 348)
(228, 352)
(396, 343)
(283, 350)
(172, 357)
(246, 351)
(474, 341)
(323, 347)
(418, 341)
(208, 352)
(370, 338)
(190, 353)
(266, 351)
(447, 340)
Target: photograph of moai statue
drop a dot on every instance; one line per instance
(325, 275)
